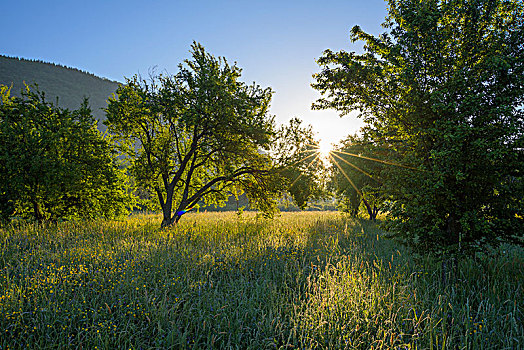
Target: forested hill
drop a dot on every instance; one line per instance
(70, 85)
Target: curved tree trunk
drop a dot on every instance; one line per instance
(372, 215)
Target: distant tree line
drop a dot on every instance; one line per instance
(55, 65)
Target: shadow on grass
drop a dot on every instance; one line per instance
(300, 281)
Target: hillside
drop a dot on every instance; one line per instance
(70, 85)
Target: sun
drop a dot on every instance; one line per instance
(324, 149)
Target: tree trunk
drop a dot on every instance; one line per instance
(375, 212)
(166, 210)
(39, 216)
(167, 221)
(369, 209)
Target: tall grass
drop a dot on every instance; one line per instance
(219, 280)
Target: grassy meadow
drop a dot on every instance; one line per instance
(222, 280)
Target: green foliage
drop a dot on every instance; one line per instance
(356, 176)
(296, 160)
(443, 89)
(197, 135)
(54, 163)
(69, 85)
(304, 280)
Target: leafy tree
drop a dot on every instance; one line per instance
(200, 134)
(356, 175)
(297, 161)
(54, 163)
(70, 85)
(443, 89)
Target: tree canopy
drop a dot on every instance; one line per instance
(54, 163)
(442, 88)
(297, 162)
(200, 134)
(356, 176)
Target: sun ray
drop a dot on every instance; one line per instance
(294, 182)
(356, 167)
(303, 159)
(346, 176)
(322, 150)
(313, 148)
(311, 144)
(300, 175)
(376, 160)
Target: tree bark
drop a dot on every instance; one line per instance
(39, 216)
(167, 221)
(375, 212)
(369, 209)
(166, 209)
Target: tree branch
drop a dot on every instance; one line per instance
(198, 195)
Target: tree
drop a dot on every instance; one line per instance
(443, 89)
(54, 163)
(356, 175)
(200, 134)
(297, 162)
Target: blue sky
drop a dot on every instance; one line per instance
(274, 42)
